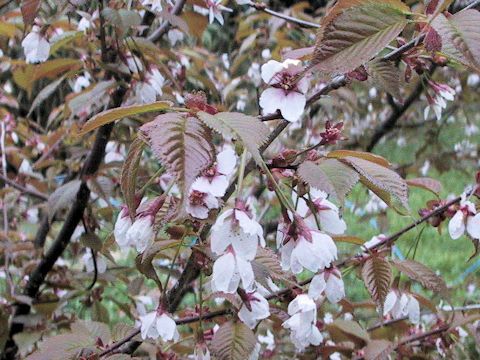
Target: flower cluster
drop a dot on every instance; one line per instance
(465, 218)
(206, 189)
(438, 102)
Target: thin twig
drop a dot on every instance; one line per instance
(35, 193)
(162, 29)
(290, 19)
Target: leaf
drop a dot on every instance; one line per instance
(269, 260)
(92, 95)
(385, 183)
(378, 349)
(93, 328)
(143, 261)
(91, 241)
(385, 75)
(183, 145)
(429, 184)
(422, 274)
(61, 347)
(342, 330)
(342, 154)
(129, 175)
(354, 31)
(30, 10)
(460, 35)
(233, 341)
(111, 115)
(45, 93)
(7, 29)
(377, 275)
(329, 175)
(348, 239)
(62, 197)
(248, 129)
(100, 312)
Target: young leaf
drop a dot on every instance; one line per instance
(248, 129)
(378, 349)
(460, 35)
(45, 93)
(63, 196)
(109, 116)
(422, 274)
(342, 330)
(65, 346)
(385, 75)
(30, 10)
(354, 31)
(129, 174)
(377, 275)
(329, 175)
(268, 261)
(233, 341)
(342, 154)
(386, 183)
(183, 145)
(93, 328)
(429, 184)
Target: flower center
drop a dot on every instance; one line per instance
(196, 197)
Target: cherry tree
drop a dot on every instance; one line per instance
(177, 177)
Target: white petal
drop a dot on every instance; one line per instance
(223, 270)
(331, 222)
(147, 327)
(269, 69)
(220, 238)
(456, 225)
(166, 327)
(270, 100)
(226, 161)
(473, 226)
(317, 286)
(335, 289)
(315, 337)
(413, 310)
(245, 270)
(293, 106)
(216, 186)
(389, 303)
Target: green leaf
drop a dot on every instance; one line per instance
(348, 239)
(330, 176)
(109, 116)
(184, 147)
(354, 31)
(248, 129)
(422, 274)
(233, 341)
(460, 35)
(129, 174)
(377, 275)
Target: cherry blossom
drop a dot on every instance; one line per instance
(174, 36)
(35, 46)
(300, 247)
(256, 310)
(87, 21)
(330, 282)
(285, 92)
(437, 103)
(213, 10)
(229, 270)
(141, 232)
(465, 218)
(400, 305)
(303, 317)
(374, 241)
(158, 324)
(87, 260)
(200, 203)
(326, 213)
(153, 5)
(201, 351)
(122, 225)
(236, 228)
(215, 179)
(81, 82)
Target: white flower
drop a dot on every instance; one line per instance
(141, 232)
(325, 211)
(35, 46)
(81, 82)
(154, 5)
(400, 305)
(443, 93)
(154, 326)
(213, 11)
(302, 322)
(330, 282)
(215, 180)
(235, 228)
(227, 272)
(304, 248)
(122, 225)
(174, 36)
(155, 79)
(113, 152)
(87, 260)
(201, 352)
(268, 340)
(285, 92)
(465, 218)
(259, 310)
(87, 21)
(374, 241)
(200, 203)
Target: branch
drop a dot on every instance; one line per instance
(162, 29)
(291, 19)
(30, 191)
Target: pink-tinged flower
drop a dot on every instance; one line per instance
(303, 317)
(200, 203)
(81, 82)
(229, 270)
(330, 282)
(285, 92)
(122, 225)
(465, 218)
(87, 21)
(35, 46)
(332, 133)
(215, 179)
(254, 309)
(442, 94)
(326, 213)
(236, 228)
(302, 248)
(157, 324)
(114, 152)
(87, 260)
(201, 351)
(374, 241)
(153, 5)
(213, 10)
(400, 305)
